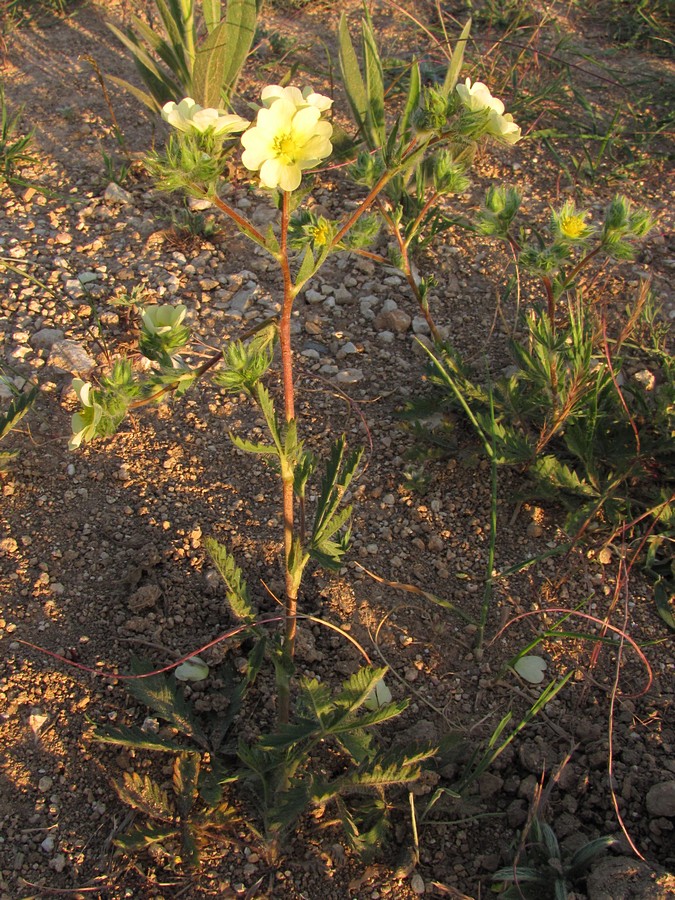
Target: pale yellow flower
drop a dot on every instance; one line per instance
(163, 319)
(84, 422)
(477, 96)
(288, 137)
(188, 115)
(503, 128)
(500, 125)
(306, 97)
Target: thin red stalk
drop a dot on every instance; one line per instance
(612, 702)
(617, 388)
(363, 206)
(425, 209)
(407, 271)
(102, 673)
(291, 593)
(241, 221)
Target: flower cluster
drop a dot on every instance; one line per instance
(288, 137)
(476, 98)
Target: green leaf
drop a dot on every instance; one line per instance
(135, 737)
(211, 10)
(353, 80)
(237, 590)
(16, 410)
(140, 837)
(211, 783)
(522, 874)
(586, 855)
(185, 779)
(161, 86)
(374, 84)
(188, 843)
(356, 689)
(374, 717)
(266, 404)
(366, 826)
(664, 597)
(412, 100)
(455, 67)
(241, 19)
(209, 68)
(357, 743)
(251, 447)
(174, 61)
(307, 267)
(161, 695)
(142, 793)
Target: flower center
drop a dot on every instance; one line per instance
(285, 149)
(572, 226)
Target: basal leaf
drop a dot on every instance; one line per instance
(241, 21)
(159, 692)
(356, 689)
(211, 10)
(145, 795)
(140, 837)
(133, 736)
(237, 590)
(186, 768)
(374, 85)
(352, 79)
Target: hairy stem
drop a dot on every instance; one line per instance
(291, 598)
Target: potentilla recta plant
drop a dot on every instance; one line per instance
(288, 140)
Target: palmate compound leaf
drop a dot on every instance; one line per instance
(396, 766)
(549, 469)
(159, 692)
(142, 793)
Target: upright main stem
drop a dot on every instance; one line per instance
(291, 598)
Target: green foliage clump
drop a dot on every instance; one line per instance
(14, 148)
(541, 871)
(569, 414)
(178, 64)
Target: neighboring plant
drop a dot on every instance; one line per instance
(638, 22)
(541, 871)
(179, 63)
(14, 149)
(585, 434)
(410, 206)
(17, 409)
(191, 227)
